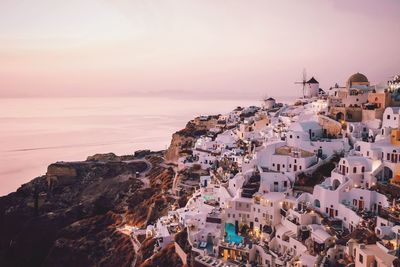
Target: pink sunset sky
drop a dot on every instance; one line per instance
(210, 49)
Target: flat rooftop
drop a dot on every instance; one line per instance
(288, 151)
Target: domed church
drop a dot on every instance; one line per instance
(347, 103)
(357, 80)
(359, 101)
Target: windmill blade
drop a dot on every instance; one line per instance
(304, 75)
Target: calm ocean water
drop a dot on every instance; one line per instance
(35, 132)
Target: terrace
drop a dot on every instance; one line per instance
(391, 214)
(293, 152)
(214, 262)
(363, 213)
(251, 187)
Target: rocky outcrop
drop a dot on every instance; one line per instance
(104, 157)
(182, 141)
(69, 217)
(166, 257)
(178, 143)
(61, 174)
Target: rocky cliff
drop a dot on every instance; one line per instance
(70, 216)
(183, 140)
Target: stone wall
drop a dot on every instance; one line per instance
(330, 126)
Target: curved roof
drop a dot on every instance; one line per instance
(357, 78)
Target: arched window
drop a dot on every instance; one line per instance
(354, 169)
(317, 203)
(362, 169)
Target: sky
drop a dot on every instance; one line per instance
(194, 49)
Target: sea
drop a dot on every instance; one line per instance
(35, 132)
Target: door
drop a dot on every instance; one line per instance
(331, 212)
(276, 187)
(361, 204)
(278, 167)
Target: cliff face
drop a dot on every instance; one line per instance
(69, 217)
(178, 142)
(183, 139)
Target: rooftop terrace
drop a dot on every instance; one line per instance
(293, 152)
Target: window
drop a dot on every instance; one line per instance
(367, 153)
(336, 212)
(354, 169)
(388, 117)
(285, 183)
(360, 258)
(362, 169)
(291, 136)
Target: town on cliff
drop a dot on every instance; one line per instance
(312, 183)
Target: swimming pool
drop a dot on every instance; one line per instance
(231, 235)
(208, 197)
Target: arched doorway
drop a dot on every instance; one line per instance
(385, 175)
(335, 184)
(317, 203)
(339, 116)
